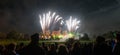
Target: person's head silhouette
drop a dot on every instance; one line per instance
(35, 38)
(12, 46)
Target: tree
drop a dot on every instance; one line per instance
(14, 35)
(85, 37)
(26, 37)
(2, 35)
(109, 35)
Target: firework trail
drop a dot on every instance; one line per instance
(48, 19)
(72, 24)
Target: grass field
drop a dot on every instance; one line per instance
(6, 42)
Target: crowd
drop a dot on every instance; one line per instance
(100, 47)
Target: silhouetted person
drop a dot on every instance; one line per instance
(45, 47)
(1, 50)
(76, 50)
(87, 49)
(52, 50)
(101, 48)
(116, 48)
(56, 45)
(11, 49)
(62, 50)
(20, 47)
(33, 48)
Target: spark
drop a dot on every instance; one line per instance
(48, 19)
(72, 24)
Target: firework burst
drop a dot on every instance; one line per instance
(48, 19)
(72, 24)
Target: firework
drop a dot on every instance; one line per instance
(72, 24)
(48, 19)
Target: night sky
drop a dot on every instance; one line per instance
(97, 16)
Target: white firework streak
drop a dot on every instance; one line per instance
(72, 24)
(48, 19)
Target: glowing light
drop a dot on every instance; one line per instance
(48, 19)
(70, 35)
(62, 22)
(72, 24)
(60, 36)
(82, 35)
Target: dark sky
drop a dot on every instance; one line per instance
(97, 16)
